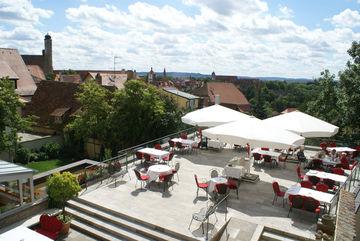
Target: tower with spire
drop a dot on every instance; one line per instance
(151, 77)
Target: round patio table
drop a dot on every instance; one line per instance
(215, 180)
(155, 171)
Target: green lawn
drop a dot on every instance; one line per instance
(43, 166)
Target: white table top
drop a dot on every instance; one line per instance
(324, 175)
(215, 180)
(263, 152)
(341, 149)
(155, 171)
(154, 152)
(159, 168)
(322, 197)
(234, 171)
(187, 142)
(328, 161)
(22, 233)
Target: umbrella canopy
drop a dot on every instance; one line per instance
(303, 124)
(213, 116)
(256, 133)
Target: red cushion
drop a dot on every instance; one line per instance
(51, 235)
(50, 223)
(203, 185)
(144, 177)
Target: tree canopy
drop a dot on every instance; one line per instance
(11, 121)
(126, 117)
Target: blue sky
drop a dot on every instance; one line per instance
(243, 37)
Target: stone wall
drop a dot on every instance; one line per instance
(345, 218)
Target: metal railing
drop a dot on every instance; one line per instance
(103, 170)
(213, 210)
(347, 185)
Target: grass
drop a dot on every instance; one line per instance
(43, 166)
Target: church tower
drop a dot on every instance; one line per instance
(47, 55)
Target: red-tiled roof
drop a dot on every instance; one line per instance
(51, 97)
(228, 92)
(36, 72)
(25, 84)
(71, 78)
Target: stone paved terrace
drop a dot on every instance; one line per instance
(173, 209)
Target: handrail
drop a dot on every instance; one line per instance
(208, 213)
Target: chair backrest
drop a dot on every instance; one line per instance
(310, 204)
(196, 180)
(298, 171)
(306, 184)
(183, 135)
(297, 201)
(171, 155)
(137, 174)
(267, 158)
(329, 182)
(276, 188)
(221, 188)
(314, 180)
(139, 155)
(177, 166)
(332, 144)
(337, 171)
(157, 146)
(233, 182)
(257, 156)
(179, 145)
(317, 163)
(214, 173)
(323, 145)
(147, 157)
(265, 148)
(167, 178)
(322, 187)
(171, 143)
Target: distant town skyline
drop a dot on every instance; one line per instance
(234, 37)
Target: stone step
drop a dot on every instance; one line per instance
(112, 231)
(151, 229)
(92, 231)
(270, 236)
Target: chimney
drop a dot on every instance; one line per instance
(217, 99)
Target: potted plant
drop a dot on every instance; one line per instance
(60, 188)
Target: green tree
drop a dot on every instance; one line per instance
(259, 106)
(349, 93)
(95, 108)
(61, 188)
(141, 113)
(325, 104)
(11, 121)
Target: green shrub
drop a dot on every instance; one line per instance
(23, 155)
(52, 150)
(42, 156)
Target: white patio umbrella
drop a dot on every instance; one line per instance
(256, 133)
(303, 124)
(213, 116)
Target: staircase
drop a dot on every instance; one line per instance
(270, 234)
(105, 224)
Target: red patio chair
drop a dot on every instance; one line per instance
(338, 171)
(314, 180)
(298, 172)
(221, 189)
(257, 158)
(322, 187)
(157, 146)
(332, 144)
(201, 185)
(169, 157)
(265, 148)
(278, 193)
(139, 156)
(323, 145)
(295, 201)
(317, 164)
(312, 205)
(166, 179)
(141, 177)
(233, 184)
(171, 145)
(330, 183)
(183, 135)
(306, 184)
(180, 146)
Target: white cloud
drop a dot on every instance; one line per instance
(347, 18)
(21, 12)
(286, 12)
(247, 41)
